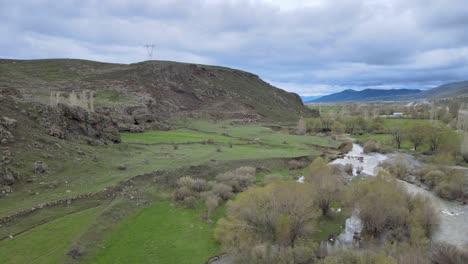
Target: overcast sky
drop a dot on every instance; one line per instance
(316, 48)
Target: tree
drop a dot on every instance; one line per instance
(277, 217)
(416, 134)
(301, 128)
(397, 136)
(385, 207)
(325, 183)
(211, 202)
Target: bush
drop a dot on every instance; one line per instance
(448, 254)
(444, 159)
(359, 170)
(122, 167)
(211, 203)
(399, 168)
(433, 178)
(372, 145)
(346, 147)
(200, 185)
(190, 202)
(238, 179)
(185, 181)
(75, 251)
(222, 190)
(181, 193)
(348, 168)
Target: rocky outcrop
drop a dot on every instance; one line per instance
(65, 121)
(39, 167)
(7, 176)
(6, 125)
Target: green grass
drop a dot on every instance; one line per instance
(404, 123)
(48, 243)
(263, 134)
(174, 136)
(87, 175)
(162, 233)
(113, 98)
(330, 226)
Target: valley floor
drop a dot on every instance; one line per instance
(138, 216)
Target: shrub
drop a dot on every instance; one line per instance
(122, 167)
(238, 179)
(444, 159)
(185, 181)
(190, 202)
(75, 251)
(211, 203)
(433, 178)
(348, 168)
(399, 168)
(181, 193)
(200, 185)
(346, 147)
(372, 145)
(359, 170)
(448, 254)
(222, 190)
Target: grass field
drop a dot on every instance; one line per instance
(162, 233)
(176, 136)
(48, 243)
(263, 134)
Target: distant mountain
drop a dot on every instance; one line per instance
(369, 95)
(455, 89)
(306, 99)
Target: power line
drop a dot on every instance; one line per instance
(150, 49)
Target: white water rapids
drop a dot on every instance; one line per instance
(453, 216)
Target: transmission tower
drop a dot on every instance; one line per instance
(150, 49)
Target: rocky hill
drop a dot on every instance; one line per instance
(146, 95)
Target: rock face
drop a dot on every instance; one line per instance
(65, 121)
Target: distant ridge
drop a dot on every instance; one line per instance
(449, 90)
(368, 95)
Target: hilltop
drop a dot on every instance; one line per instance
(145, 95)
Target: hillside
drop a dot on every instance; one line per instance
(368, 95)
(145, 95)
(446, 90)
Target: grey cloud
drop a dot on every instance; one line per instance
(310, 49)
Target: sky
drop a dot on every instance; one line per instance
(310, 47)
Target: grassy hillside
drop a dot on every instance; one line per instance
(156, 90)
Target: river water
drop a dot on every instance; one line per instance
(454, 216)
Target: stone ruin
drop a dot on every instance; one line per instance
(83, 99)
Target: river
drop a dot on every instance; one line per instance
(454, 216)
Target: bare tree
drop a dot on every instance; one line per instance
(397, 136)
